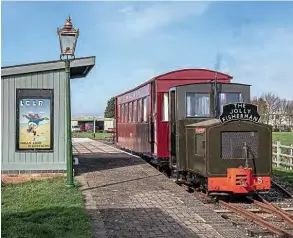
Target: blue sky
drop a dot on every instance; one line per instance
(134, 41)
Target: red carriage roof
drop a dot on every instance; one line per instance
(184, 74)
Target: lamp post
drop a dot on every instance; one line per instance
(94, 127)
(68, 38)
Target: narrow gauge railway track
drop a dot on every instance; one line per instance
(258, 218)
(271, 220)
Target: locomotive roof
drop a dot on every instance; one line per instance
(209, 122)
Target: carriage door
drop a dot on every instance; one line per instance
(172, 129)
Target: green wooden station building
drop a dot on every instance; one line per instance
(33, 110)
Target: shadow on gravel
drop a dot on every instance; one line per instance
(120, 182)
(105, 161)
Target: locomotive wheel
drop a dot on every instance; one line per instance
(212, 199)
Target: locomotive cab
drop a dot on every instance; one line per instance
(194, 103)
(223, 154)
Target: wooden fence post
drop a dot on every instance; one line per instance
(278, 153)
(291, 159)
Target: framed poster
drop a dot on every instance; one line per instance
(34, 119)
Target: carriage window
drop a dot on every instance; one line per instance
(227, 98)
(197, 104)
(145, 109)
(139, 110)
(134, 118)
(130, 112)
(165, 107)
(126, 112)
(120, 113)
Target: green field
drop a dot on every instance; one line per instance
(44, 209)
(286, 138)
(98, 136)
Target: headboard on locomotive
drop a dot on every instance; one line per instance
(194, 103)
(236, 139)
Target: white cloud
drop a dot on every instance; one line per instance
(266, 62)
(137, 21)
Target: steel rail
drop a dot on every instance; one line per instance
(271, 209)
(256, 219)
(282, 189)
(280, 209)
(276, 207)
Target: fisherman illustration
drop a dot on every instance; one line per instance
(33, 122)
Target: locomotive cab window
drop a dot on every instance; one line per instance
(197, 105)
(227, 98)
(239, 145)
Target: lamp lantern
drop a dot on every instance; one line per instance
(68, 39)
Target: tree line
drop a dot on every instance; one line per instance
(275, 110)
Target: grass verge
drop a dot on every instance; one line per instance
(44, 209)
(286, 138)
(98, 136)
(284, 174)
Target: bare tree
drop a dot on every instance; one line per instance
(274, 110)
(289, 113)
(282, 111)
(273, 103)
(262, 108)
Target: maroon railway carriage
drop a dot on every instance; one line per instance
(142, 113)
